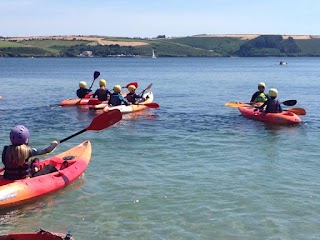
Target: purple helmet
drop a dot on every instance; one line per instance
(19, 135)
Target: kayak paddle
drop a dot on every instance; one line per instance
(297, 111)
(237, 104)
(100, 122)
(96, 74)
(150, 105)
(241, 104)
(89, 95)
(289, 102)
(147, 88)
(94, 101)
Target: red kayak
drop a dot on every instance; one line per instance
(15, 192)
(284, 118)
(41, 235)
(79, 101)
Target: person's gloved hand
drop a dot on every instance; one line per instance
(54, 144)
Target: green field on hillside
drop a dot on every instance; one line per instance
(173, 49)
(53, 46)
(310, 47)
(221, 45)
(7, 44)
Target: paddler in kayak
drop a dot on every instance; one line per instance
(259, 96)
(83, 91)
(116, 98)
(16, 157)
(272, 104)
(132, 97)
(102, 93)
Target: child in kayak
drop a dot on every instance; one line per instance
(259, 96)
(272, 104)
(83, 91)
(16, 157)
(132, 97)
(116, 98)
(102, 93)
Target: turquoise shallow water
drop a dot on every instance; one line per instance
(193, 169)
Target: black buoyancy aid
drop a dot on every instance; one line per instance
(12, 172)
(130, 97)
(114, 99)
(102, 94)
(82, 92)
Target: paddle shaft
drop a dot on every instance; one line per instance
(73, 135)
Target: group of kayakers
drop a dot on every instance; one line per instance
(17, 157)
(114, 98)
(270, 103)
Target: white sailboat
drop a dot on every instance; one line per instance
(153, 55)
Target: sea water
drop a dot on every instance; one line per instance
(192, 169)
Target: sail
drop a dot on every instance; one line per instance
(153, 55)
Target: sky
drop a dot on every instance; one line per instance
(149, 18)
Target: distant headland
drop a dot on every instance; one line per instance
(227, 45)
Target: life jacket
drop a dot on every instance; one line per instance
(82, 92)
(114, 99)
(102, 94)
(261, 98)
(13, 172)
(132, 97)
(272, 106)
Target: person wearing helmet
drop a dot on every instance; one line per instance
(102, 93)
(272, 104)
(17, 156)
(83, 91)
(116, 98)
(132, 97)
(259, 96)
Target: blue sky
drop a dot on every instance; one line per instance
(143, 18)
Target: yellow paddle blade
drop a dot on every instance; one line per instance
(236, 104)
(298, 111)
(241, 104)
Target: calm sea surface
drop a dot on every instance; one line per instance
(193, 169)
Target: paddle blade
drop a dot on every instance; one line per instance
(236, 104)
(298, 111)
(96, 74)
(94, 102)
(290, 102)
(105, 120)
(147, 88)
(89, 101)
(152, 105)
(132, 83)
(88, 95)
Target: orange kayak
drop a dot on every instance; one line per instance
(15, 192)
(41, 235)
(285, 117)
(79, 101)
